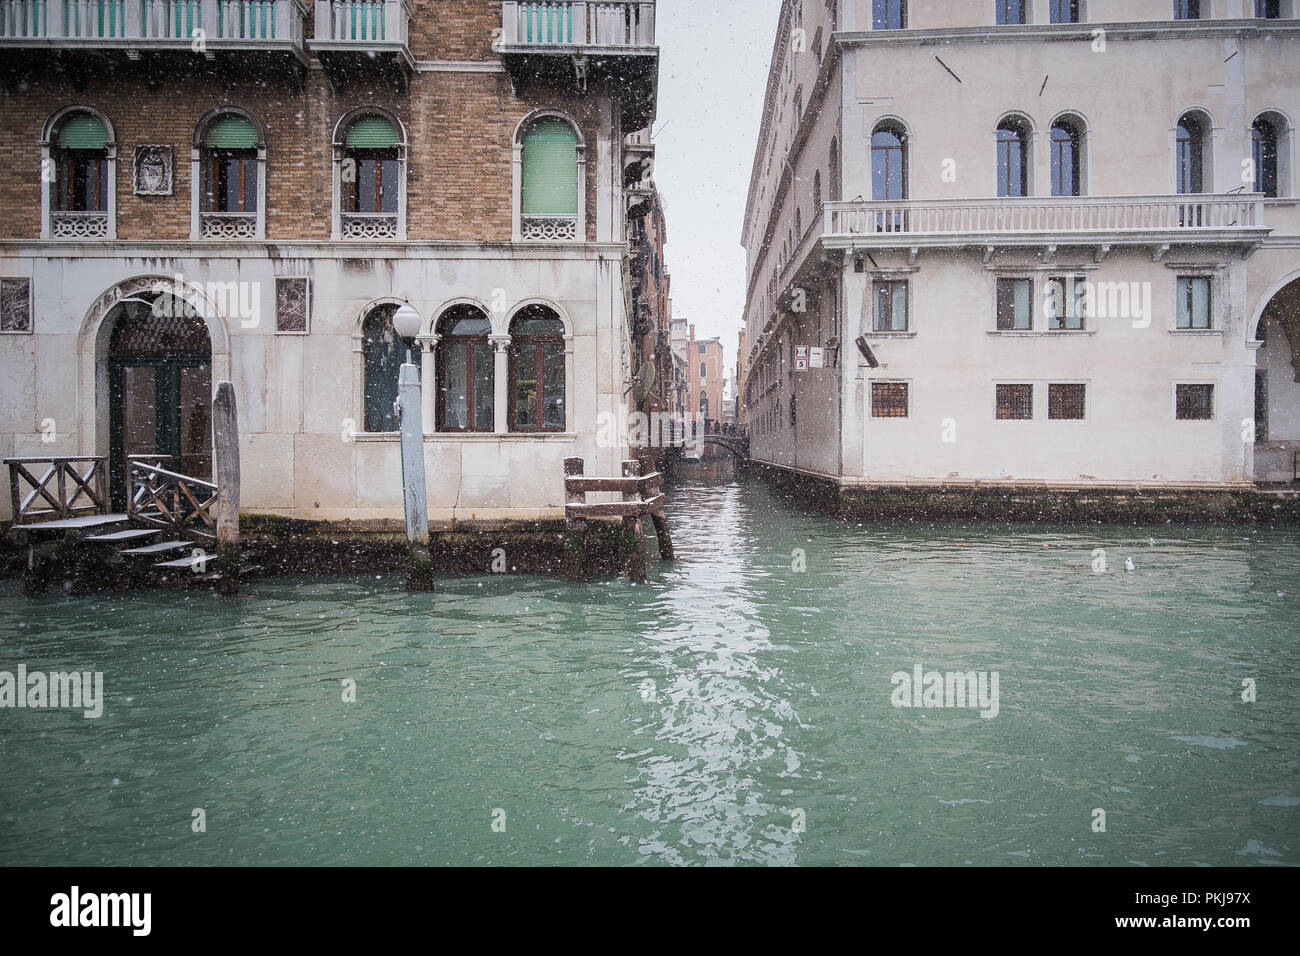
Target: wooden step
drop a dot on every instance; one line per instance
(188, 564)
(84, 523)
(160, 548)
(120, 537)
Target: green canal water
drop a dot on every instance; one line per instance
(731, 710)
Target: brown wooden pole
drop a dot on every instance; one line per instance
(633, 553)
(663, 538)
(575, 526)
(225, 442)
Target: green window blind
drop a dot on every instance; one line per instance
(550, 169)
(231, 132)
(82, 131)
(372, 132)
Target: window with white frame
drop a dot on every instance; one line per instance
(1192, 307)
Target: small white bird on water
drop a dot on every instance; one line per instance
(1128, 565)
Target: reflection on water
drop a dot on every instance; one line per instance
(697, 719)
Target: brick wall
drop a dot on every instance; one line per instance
(459, 125)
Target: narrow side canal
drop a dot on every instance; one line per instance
(737, 708)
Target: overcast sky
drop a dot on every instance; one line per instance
(714, 56)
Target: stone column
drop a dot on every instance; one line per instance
(501, 383)
(428, 379)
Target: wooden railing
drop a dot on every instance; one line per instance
(642, 496)
(611, 23)
(362, 22)
(1058, 215)
(166, 499)
(88, 21)
(60, 490)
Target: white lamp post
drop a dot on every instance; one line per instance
(406, 323)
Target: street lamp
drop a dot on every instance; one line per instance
(407, 323)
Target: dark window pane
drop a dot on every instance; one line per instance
(384, 354)
(1014, 306)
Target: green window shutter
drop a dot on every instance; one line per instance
(372, 132)
(230, 132)
(82, 131)
(550, 169)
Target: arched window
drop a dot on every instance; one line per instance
(465, 371)
(817, 192)
(1013, 157)
(79, 173)
(550, 190)
(1264, 153)
(798, 225)
(889, 162)
(537, 401)
(1067, 157)
(384, 353)
(1189, 153)
(833, 172)
(372, 178)
(229, 178)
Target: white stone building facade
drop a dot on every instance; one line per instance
(1039, 243)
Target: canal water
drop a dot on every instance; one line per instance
(737, 708)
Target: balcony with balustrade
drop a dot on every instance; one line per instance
(1101, 222)
(364, 38)
(31, 30)
(582, 42)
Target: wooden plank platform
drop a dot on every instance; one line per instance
(161, 548)
(120, 537)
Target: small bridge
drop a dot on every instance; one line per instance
(738, 445)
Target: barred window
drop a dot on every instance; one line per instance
(889, 399)
(1067, 402)
(1015, 402)
(1195, 403)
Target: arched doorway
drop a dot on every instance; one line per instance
(159, 387)
(1277, 387)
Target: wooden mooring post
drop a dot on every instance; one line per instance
(642, 495)
(225, 445)
(575, 525)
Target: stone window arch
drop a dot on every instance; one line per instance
(369, 175)
(228, 177)
(78, 176)
(550, 175)
(538, 371)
